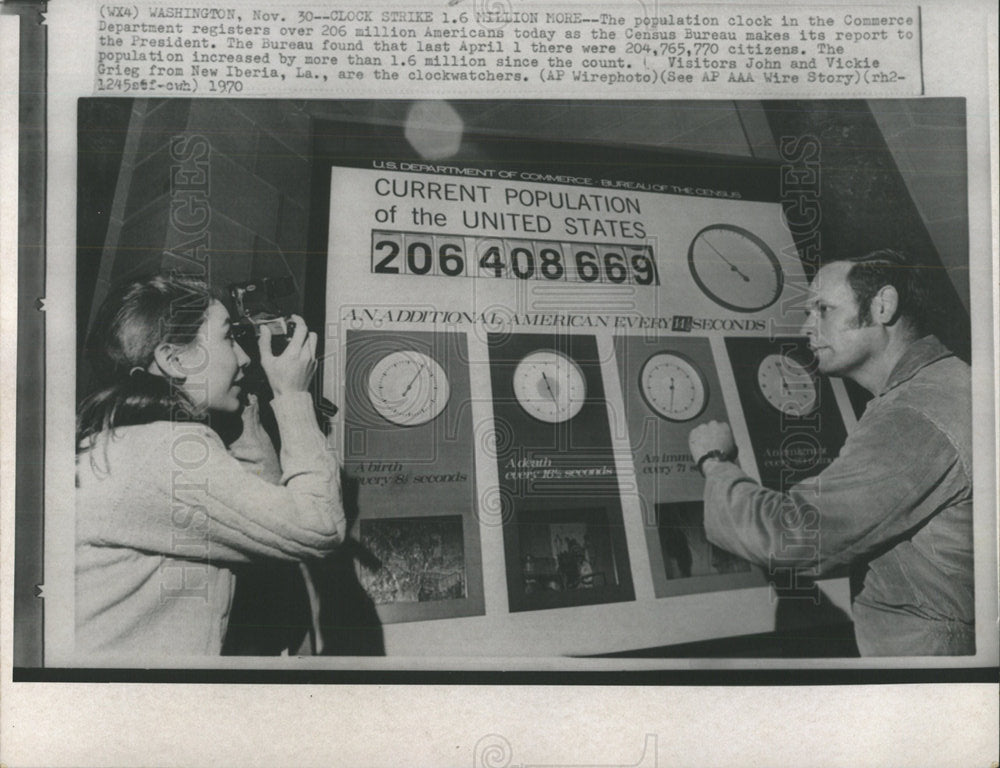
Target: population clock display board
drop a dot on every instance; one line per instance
(521, 355)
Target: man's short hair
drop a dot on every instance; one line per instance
(870, 273)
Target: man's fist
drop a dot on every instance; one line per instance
(711, 436)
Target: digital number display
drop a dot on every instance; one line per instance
(421, 253)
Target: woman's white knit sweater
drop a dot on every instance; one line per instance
(163, 508)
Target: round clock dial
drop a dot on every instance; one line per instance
(408, 388)
(735, 268)
(787, 385)
(550, 386)
(673, 387)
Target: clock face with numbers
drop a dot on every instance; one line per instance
(549, 386)
(735, 268)
(787, 385)
(408, 388)
(673, 387)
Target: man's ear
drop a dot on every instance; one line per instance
(167, 359)
(885, 306)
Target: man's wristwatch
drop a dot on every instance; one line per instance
(715, 453)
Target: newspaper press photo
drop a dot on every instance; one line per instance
(507, 344)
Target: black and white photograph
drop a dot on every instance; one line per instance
(242, 225)
(328, 386)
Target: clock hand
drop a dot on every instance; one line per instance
(548, 386)
(417, 376)
(671, 393)
(732, 266)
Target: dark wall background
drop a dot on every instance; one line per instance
(868, 192)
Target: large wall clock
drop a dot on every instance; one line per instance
(673, 387)
(549, 386)
(735, 268)
(408, 388)
(787, 385)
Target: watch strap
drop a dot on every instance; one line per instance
(715, 453)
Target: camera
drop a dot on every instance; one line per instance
(281, 331)
(255, 306)
(256, 303)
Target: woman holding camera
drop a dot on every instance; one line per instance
(164, 509)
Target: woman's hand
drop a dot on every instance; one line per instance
(293, 369)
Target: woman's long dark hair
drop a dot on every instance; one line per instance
(133, 321)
